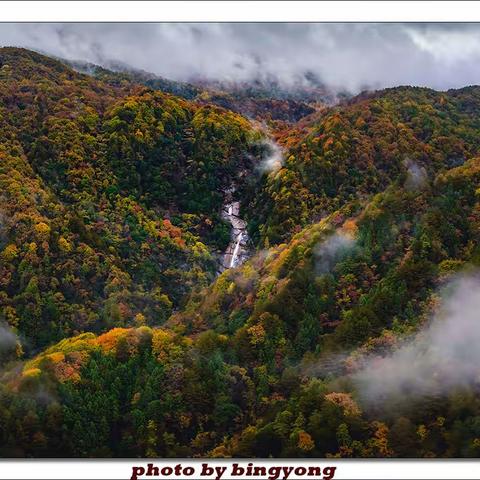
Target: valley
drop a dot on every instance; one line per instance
(192, 271)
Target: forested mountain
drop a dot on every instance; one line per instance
(115, 325)
(108, 197)
(361, 147)
(263, 101)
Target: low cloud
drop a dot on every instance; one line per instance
(333, 250)
(445, 355)
(341, 56)
(7, 338)
(273, 158)
(416, 175)
(8, 341)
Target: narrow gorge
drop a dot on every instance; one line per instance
(238, 248)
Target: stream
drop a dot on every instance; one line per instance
(238, 248)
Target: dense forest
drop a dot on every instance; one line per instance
(120, 338)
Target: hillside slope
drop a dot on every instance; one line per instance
(109, 197)
(265, 102)
(357, 149)
(271, 345)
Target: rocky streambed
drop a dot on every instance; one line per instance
(238, 248)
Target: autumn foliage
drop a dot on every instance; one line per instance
(116, 324)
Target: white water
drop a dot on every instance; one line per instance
(234, 259)
(237, 250)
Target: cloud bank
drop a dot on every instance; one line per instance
(343, 56)
(443, 356)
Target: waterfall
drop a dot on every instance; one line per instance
(238, 248)
(233, 260)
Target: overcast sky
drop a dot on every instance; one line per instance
(351, 56)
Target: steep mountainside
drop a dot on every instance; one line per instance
(269, 345)
(115, 326)
(359, 148)
(108, 197)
